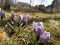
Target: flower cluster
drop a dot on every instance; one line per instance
(20, 18)
(40, 33)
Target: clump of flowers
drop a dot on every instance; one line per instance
(40, 33)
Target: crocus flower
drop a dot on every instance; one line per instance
(38, 29)
(45, 37)
(27, 18)
(19, 20)
(2, 15)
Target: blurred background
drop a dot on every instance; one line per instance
(46, 6)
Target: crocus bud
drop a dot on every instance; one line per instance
(2, 14)
(19, 20)
(45, 37)
(38, 29)
(27, 18)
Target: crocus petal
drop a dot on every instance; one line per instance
(20, 18)
(45, 37)
(34, 24)
(41, 24)
(38, 30)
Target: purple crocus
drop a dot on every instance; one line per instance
(38, 29)
(2, 15)
(19, 20)
(27, 18)
(45, 37)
